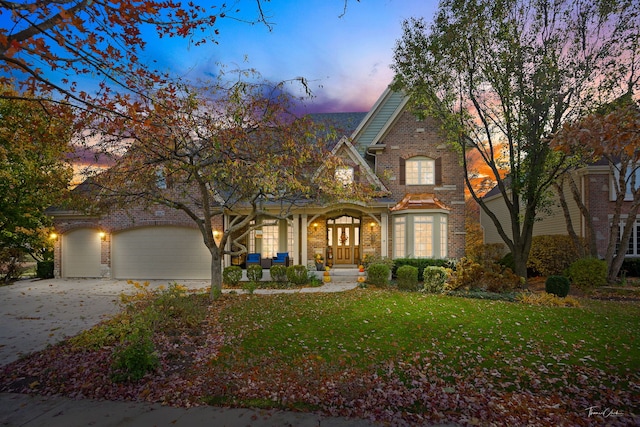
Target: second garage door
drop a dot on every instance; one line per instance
(160, 253)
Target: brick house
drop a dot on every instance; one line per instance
(597, 192)
(422, 214)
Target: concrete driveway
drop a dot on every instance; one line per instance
(36, 313)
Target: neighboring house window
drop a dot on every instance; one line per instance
(399, 237)
(633, 249)
(444, 241)
(423, 236)
(420, 171)
(344, 174)
(628, 196)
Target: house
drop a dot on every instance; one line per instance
(421, 214)
(597, 193)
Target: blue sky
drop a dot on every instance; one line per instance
(346, 59)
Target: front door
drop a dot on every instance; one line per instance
(343, 235)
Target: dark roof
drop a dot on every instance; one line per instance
(343, 123)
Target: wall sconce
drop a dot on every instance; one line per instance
(372, 225)
(315, 226)
(216, 234)
(53, 236)
(103, 235)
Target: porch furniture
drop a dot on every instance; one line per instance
(253, 259)
(266, 262)
(281, 258)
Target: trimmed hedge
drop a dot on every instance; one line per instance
(254, 273)
(419, 263)
(378, 274)
(434, 279)
(232, 275)
(298, 274)
(408, 278)
(557, 285)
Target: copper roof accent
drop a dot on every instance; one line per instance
(419, 201)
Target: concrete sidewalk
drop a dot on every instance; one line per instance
(19, 410)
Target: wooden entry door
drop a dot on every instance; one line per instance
(344, 239)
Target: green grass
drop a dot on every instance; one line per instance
(367, 328)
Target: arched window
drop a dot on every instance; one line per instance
(344, 174)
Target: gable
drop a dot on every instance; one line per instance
(378, 120)
(345, 150)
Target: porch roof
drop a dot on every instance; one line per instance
(419, 201)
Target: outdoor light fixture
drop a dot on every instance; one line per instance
(372, 224)
(315, 225)
(53, 236)
(103, 235)
(216, 233)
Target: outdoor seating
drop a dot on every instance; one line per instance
(282, 258)
(253, 259)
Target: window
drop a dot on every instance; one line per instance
(161, 179)
(420, 236)
(269, 241)
(633, 249)
(630, 168)
(444, 242)
(399, 237)
(420, 171)
(423, 236)
(344, 174)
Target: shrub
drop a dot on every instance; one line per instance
(378, 274)
(11, 264)
(419, 263)
(631, 266)
(44, 269)
(434, 279)
(254, 273)
(298, 274)
(408, 278)
(486, 253)
(552, 254)
(134, 360)
(588, 272)
(368, 260)
(492, 277)
(278, 273)
(557, 285)
(232, 275)
(547, 299)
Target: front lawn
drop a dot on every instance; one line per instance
(378, 354)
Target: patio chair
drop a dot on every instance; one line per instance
(253, 259)
(282, 258)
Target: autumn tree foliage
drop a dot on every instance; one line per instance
(613, 134)
(223, 147)
(34, 174)
(504, 75)
(49, 46)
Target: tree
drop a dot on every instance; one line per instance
(218, 148)
(34, 172)
(613, 134)
(508, 73)
(97, 39)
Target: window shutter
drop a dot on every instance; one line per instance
(438, 171)
(403, 172)
(356, 173)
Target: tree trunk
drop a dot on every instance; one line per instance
(216, 275)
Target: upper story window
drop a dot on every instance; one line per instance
(420, 171)
(344, 174)
(161, 179)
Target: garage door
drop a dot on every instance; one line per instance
(160, 253)
(81, 253)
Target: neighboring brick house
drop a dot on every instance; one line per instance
(596, 188)
(408, 159)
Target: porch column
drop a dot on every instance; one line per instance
(303, 252)
(384, 234)
(226, 260)
(295, 250)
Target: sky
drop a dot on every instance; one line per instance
(346, 57)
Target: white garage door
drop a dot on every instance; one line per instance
(160, 253)
(81, 253)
